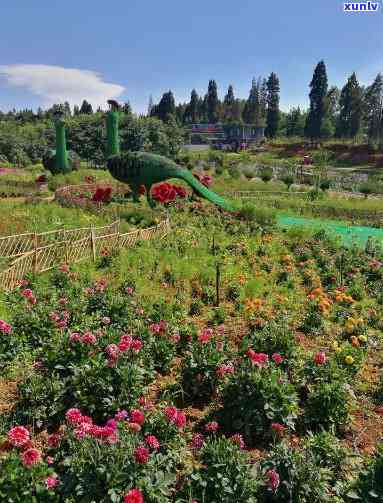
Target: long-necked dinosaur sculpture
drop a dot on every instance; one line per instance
(59, 160)
(143, 168)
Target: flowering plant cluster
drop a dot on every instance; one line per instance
(166, 192)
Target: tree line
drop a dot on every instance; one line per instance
(352, 112)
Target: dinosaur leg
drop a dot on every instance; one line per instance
(149, 198)
(135, 193)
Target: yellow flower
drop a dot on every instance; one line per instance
(349, 360)
(363, 338)
(338, 350)
(335, 345)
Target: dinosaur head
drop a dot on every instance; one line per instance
(114, 105)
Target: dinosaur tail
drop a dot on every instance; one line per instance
(211, 196)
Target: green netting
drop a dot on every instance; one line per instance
(349, 234)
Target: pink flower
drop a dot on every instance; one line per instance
(121, 415)
(89, 338)
(205, 335)
(225, 368)
(273, 480)
(38, 364)
(141, 454)
(129, 290)
(134, 496)
(278, 428)
(54, 440)
(320, 358)
(136, 345)
(197, 441)
(112, 350)
(212, 426)
(258, 359)
(105, 320)
(112, 423)
(27, 293)
(134, 427)
(137, 416)
(238, 439)
(175, 416)
(75, 337)
(5, 328)
(30, 457)
(152, 442)
(277, 358)
(125, 342)
(73, 416)
(221, 329)
(51, 481)
(18, 436)
(49, 460)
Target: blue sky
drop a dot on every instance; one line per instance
(129, 49)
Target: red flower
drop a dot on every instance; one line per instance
(164, 193)
(204, 179)
(238, 439)
(102, 195)
(212, 426)
(30, 457)
(137, 416)
(278, 428)
(320, 358)
(152, 442)
(259, 359)
(273, 480)
(134, 496)
(141, 454)
(142, 190)
(180, 191)
(277, 358)
(18, 436)
(175, 416)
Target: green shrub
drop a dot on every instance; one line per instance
(369, 486)
(253, 399)
(225, 476)
(327, 406)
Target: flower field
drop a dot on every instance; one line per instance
(230, 362)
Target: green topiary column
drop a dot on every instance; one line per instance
(61, 162)
(113, 141)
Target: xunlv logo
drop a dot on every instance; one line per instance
(360, 7)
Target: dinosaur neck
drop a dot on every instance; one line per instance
(113, 141)
(211, 196)
(61, 151)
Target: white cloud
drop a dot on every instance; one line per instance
(55, 84)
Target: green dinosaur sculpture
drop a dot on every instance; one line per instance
(59, 160)
(143, 168)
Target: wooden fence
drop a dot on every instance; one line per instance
(39, 252)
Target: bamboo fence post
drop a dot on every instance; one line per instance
(34, 261)
(93, 243)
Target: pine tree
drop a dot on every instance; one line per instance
(192, 111)
(318, 102)
(351, 109)
(273, 114)
(165, 107)
(212, 103)
(150, 105)
(252, 104)
(86, 108)
(373, 106)
(76, 110)
(295, 122)
(228, 104)
(263, 92)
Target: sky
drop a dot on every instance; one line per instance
(52, 50)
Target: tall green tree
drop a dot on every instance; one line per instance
(86, 108)
(228, 105)
(165, 108)
(373, 110)
(192, 111)
(351, 109)
(295, 122)
(273, 114)
(318, 102)
(212, 102)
